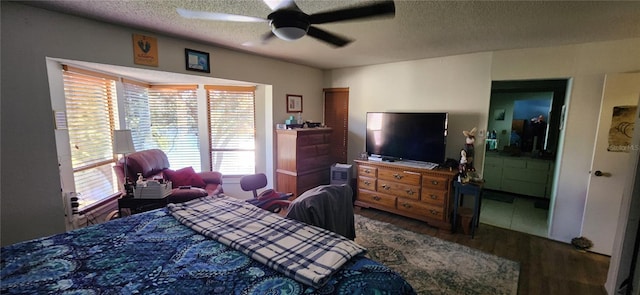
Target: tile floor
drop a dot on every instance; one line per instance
(521, 215)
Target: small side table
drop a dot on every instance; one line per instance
(139, 205)
(461, 189)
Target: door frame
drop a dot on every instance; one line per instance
(560, 88)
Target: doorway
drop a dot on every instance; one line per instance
(523, 134)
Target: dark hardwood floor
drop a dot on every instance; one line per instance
(546, 266)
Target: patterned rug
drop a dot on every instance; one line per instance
(435, 266)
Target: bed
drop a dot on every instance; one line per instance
(212, 245)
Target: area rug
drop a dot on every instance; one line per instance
(435, 266)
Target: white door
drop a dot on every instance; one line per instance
(610, 161)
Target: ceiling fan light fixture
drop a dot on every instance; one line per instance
(289, 24)
(289, 33)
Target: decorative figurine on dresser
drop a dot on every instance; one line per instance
(466, 156)
(470, 141)
(462, 167)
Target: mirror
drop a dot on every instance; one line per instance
(523, 119)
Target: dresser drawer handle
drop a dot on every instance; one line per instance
(397, 176)
(376, 198)
(367, 183)
(434, 197)
(410, 192)
(406, 205)
(435, 182)
(434, 212)
(367, 171)
(386, 187)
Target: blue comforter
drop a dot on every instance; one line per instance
(153, 253)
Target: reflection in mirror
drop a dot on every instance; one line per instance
(530, 124)
(519, 123)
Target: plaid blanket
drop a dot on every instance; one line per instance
(308, 254)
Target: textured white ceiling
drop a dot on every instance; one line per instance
(420, 29)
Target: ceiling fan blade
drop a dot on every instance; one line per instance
(266, 37)
(382, 8)
(330, 38)
(280, 4)
(194, 14)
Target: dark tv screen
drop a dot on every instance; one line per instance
(407, 136)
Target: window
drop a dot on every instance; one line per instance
(160, 116)
(231, 129)
(164, 117)
(91, 112)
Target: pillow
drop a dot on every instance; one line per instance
(184, 177)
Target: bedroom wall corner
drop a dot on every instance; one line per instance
(31, 196)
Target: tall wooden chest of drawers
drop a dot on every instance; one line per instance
(407, 190)
(303, 160)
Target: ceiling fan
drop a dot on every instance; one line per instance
(289, 22)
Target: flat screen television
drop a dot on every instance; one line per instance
(407, 136)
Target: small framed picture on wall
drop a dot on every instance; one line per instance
(197, 60)
(294, 103)
(145, 50)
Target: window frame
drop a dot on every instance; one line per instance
(82, 81)
(228, 91)
(167, 107)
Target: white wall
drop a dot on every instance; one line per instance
(461, 85)
(456, 84)
(30, 196)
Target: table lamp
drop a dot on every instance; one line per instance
(123, 144)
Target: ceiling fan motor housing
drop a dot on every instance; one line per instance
(289, 24)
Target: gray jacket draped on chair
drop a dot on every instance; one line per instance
(326, 206)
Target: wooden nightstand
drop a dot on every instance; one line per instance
(461, 189)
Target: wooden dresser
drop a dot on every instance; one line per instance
(408, 190)
(303, 159)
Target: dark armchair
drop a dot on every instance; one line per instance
(154, 164)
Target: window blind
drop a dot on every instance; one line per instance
(91, 112)
(173, 111)
(137, 114)
(231, 112)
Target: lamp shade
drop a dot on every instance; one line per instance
(122, 142)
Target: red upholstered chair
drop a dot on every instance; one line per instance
(154, 164)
